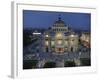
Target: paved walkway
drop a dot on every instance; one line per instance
(34, 51)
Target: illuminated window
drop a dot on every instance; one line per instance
(59, 42)
(59, 35)
(46, 43)
(66, 42)
(52, 43)
(47, 35)
(72, 35)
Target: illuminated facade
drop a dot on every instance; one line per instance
(60, 39)
(86, 39)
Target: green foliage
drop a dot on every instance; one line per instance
(69, 64)
(29, 64)
(85, 61)
(26, 39)
(50, 64)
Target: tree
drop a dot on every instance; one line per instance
(50, 64)
(85, 61)
(29, 64)
(69, 64)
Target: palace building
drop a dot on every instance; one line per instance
(59, 38)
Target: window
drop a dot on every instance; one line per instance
(46, 43)
(46, 35)
(59, 35)
(47, 50)
(52, 43)
(59, 42)
(73, 39)
(66, 42)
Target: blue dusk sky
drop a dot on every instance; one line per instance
(45, 19)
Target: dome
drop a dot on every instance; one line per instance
(59, 22)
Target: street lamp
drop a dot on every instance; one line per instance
(79, 54)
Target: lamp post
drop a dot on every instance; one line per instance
(79, 63)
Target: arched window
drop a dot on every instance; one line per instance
(46, 43)
(59, 35)
(47, 50)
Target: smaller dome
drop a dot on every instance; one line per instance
(59, 21)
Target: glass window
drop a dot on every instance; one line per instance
(59, 42)
(52, 43)
(46, 43)
(47, 35)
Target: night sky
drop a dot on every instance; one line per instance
(45, 19)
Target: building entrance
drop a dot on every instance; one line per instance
(59, 50)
